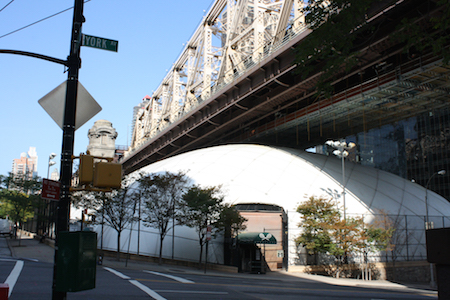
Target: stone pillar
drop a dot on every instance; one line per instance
(102, 139)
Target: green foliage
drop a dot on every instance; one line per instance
(324, 231)
(204, 206)
(347, 236)
(230, 219)
(317, 216)
(381, 232)
(330, 47)
(117, 209)
(419, 38)
(162, 195)
(21, 182)
(18, 205)
(87, 199)
(19, 196)
(338, 24)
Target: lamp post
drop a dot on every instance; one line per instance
(341, 152)
(427, 222)
(50, 163)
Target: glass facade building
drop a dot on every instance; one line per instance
(415, 149)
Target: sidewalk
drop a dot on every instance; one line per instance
(27, 248)
(32, 249)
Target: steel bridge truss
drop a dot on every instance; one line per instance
(233, 36)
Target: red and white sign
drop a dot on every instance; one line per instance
(50, 189)
(208, 233)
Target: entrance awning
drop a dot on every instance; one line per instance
(256, 238)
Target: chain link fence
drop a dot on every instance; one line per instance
(407, 243)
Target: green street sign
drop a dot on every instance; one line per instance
(99, 43)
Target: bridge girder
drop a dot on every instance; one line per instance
(232, 35)
(268, 102)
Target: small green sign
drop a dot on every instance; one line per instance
(99, 43)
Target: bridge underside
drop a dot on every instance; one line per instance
(409, 89)
(271, 104)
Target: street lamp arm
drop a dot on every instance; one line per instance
(441, 172)
(36, 55)
(428, 182)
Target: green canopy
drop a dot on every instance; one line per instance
(256, 238)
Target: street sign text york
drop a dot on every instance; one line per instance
(99, 43)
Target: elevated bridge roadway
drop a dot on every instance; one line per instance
(237, 81)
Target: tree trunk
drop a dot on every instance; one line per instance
(201, 253)
(118, 246)
(161, 239)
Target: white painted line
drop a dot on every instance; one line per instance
(191, 292)
(33, 259)
(3, 259)
(117, 273)
(179, 279)
(149, 292)
(14, 275)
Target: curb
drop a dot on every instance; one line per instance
(11, 248)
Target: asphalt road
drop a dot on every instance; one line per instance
(150, 281)
(34, 282)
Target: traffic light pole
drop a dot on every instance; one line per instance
(74, 64)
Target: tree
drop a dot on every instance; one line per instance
(348, 236)
(418, 38)
(204, 207)
(87, 199)
(318, 214)
(380, 233)
(340, 31)
(330, 48)
(25, 183)
(19, 196)
(231, 221)
(18, 206)
(118, 209)
(162, 195)
(324, 231)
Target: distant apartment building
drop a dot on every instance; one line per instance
(54, 175)
(26, 164)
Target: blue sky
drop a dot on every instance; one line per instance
(150, 33)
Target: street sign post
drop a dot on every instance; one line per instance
(50, 189)
(54, 104)
(99, 43)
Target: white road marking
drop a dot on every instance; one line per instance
(117, 273)
(14, 275)
(33, 259)
(149, 292)
(191, 292)
(179, 279)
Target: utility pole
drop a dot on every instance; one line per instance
(74, 64)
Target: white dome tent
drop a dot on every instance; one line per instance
(283, 177)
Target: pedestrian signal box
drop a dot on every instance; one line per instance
(86, 170)
(99, 175)
(107, 175)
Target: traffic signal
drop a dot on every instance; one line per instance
(107, 175)
(102, 175)
(86, 170)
